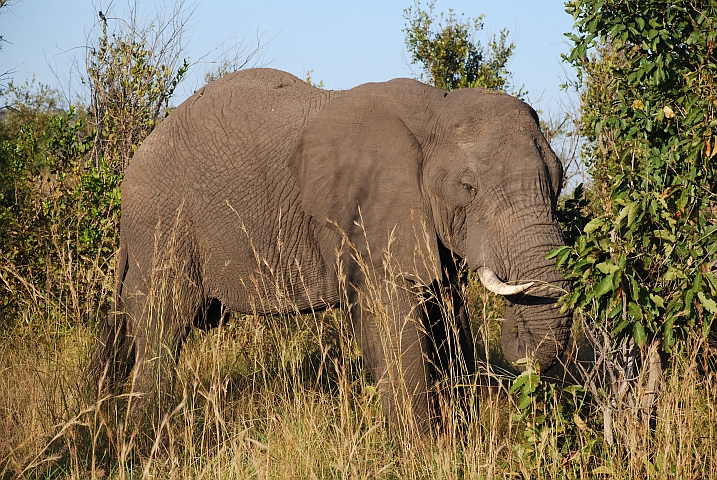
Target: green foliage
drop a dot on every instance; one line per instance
(573, 213)
(525, 384)
(311, 81)
(555, 424)
(56, 214)
(60, 175)
(647, 76)
(26, 124)
(449, 55)
(131, 88)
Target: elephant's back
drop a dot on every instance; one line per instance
(260, 95)
(227, 136)
(221, 159)
(229, 119)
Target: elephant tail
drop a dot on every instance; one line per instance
(111, 360)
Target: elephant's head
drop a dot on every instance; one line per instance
(471, 168)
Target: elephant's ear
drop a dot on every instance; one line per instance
(555, 166)
(359, 168)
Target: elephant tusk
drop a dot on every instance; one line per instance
(495, 285)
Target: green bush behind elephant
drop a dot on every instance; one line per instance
(262, 194)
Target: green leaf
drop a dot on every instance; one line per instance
(518, 383)
(668, 333)
(638, 333)
(697, 283)
(632, 212)
(709, 304)
(623, 213)
(563, 256)
(615, 311)
(524, 402)
(607, 267)
(657, 300)
(593, 225)
(619, 327)
(634, 310)
(671, 274)
(605, 286)
(553, 253)
(665, 235)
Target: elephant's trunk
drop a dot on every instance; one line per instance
(514, 244)
(534, 326)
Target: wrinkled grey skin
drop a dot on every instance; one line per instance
(259, 192)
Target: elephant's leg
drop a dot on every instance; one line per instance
(163, 321)
(452, 352)
(394, 345)
(111, 361)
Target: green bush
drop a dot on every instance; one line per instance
(58, 215)
(61, 169)
(646, 69)
(449, 55)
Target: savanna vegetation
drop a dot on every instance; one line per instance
(287, 396)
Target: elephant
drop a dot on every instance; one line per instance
(261, 194)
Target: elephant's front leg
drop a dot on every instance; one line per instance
(389, 325)
(452, 350)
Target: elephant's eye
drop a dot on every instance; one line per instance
(469, 188)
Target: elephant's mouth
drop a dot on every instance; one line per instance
(534, 328)
(529, 299)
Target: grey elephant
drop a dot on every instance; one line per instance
(262, 194)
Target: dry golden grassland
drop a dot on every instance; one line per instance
(287, 397)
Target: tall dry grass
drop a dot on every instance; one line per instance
(287, 396)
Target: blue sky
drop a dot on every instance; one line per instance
(344, 43)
